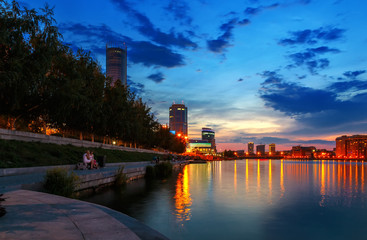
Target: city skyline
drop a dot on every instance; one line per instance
(285, 72)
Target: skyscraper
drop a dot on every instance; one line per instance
(250, 147)
(260, 149)
(209, 135)
(116, 63)
(272, 148)
(178, 119)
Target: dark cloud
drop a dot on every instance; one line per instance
(250, 11)
(310, 58)
(137, 88)
(147, 29)
(293, 99)
(317, 108)
(156, 77)
(309, 36)
(223, 41)
(240, 80)
(345, 86)
(94, 38)
(152, 55)
(353, 74)
(179, 9)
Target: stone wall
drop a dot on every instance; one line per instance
(36, 137)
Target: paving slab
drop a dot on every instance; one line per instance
(35, 215)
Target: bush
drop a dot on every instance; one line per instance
(120, 177)
(58, 181)
(150, 173)
(163, 170)
(2, 210)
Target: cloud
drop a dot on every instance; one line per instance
(137, 88)
(152, 55)
(156, 77)
(240, 80)
(310, 58)
(250, 11)
(353, 74)
(94, 38)
(345, 86)
(147, 29)
(179, 9)
(220, 44)
(293, 99)
(316, 109)
(308, 36)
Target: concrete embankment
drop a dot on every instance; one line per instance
(33, 178)
(35, 215)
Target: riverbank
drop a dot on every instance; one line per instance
(35, 215)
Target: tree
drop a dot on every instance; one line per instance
(29, 42)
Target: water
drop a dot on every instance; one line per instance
(251, 199)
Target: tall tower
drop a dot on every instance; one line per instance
(272, 148)
(209, 135)
(178, 119)
(116, 63)
(250, 147)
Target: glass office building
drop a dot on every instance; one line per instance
(178, 119)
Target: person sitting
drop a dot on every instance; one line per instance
(88, 158)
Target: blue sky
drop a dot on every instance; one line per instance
(287, 72)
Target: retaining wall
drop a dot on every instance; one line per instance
(7, 134)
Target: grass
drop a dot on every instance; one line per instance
(58, 181)
(15, 154)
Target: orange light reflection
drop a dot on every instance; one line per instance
(182, 197)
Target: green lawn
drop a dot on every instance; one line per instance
(31, 154)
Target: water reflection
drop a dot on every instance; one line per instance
(255, 199)
(182, 197)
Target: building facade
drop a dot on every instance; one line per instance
(178, 119)
(272, 149)
(303, 152)
(209, 135)
(260, 149)
(351, 146)
(250, 148)
(199, 147)
(116, 64)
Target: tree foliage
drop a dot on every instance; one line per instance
(43, 80)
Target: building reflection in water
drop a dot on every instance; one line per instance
(182, 197)
(269, 181)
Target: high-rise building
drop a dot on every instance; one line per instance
(260, 149)
(250, 148)
(351, 146)
(178, 119)
(209, 135)
(116, 63)
(272, 148)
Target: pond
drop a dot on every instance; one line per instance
(251, 199)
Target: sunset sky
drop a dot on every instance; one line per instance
(287, 72)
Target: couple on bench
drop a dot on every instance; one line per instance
(88, 159)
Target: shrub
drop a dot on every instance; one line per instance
(120, 177)
(58, 181)
(2, 210)
(150, 173)
(163, 170)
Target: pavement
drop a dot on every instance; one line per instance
(36, 215)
